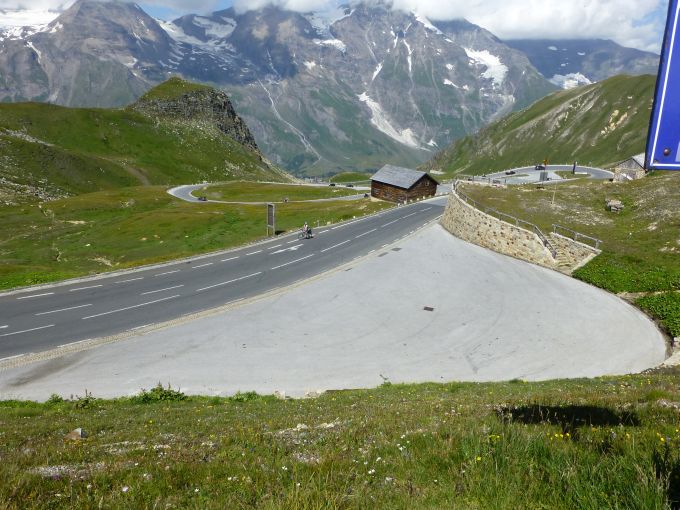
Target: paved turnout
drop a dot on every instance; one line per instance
(428, 308)
(35, 320)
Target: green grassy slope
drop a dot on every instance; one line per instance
(52, 151)
(128, 227)
(596, 125)
(587, 444)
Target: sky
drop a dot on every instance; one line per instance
(634, 23)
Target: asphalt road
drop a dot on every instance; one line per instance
(35, 320)
(186, 193)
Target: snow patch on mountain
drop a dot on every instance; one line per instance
(450, 83)
(216, 30)
(409, 57)
(427, 23)
(323, 20)
(381, 121)
(570, 81)
(335, 43)
(310, 65)
(32, 46)
(377, 71)
(495, 69)
(552, 48)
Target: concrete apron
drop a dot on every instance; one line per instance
(494, 318)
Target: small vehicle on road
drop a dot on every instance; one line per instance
(539, 167)
(305, 234)
(202, 199)
(350, 185)
(510, 172)
(332, 184)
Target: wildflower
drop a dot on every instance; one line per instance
(284, 468)
(478, 459)
(125, 489)
(371, 471)
(196, 489)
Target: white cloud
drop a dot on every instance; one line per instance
(619, 20)
(636, 23)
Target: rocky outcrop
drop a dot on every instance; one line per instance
(206, 105)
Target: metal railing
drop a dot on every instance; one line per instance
(508, 218)
(577, 236)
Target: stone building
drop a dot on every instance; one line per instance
(396, 184)
(630, 169)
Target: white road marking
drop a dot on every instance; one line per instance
(384, 246)
(168, 272)
(426, 209)
(277, 246)
(293, 241)
(85, 288)
(27, 330)
(253, 253)
(292, 248)
(230, 281)
(131, 280)
(130, 307)
(4, 327)
(140, 327)
(322, 232)
(203, 265)
(365, 233)
(292, 262)
(372, 251)
(35, 296)
(227, 260)
(409, 215)
(335, 246)
(387, 224)
(62, 310)
(161, 290)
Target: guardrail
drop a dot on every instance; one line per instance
(508, 218)
(577, 236)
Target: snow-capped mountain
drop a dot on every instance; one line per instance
(570, 63)
(351, 88)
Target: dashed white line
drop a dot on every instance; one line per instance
(322, 232)
(293, 241)
(365, 233)
(277, 246)
(335, 246)
(387, 224)
(35, 296)
(27, 330)
(230, 281)
(227, 260)
(62, 310)
(86, 288)
(168, 272)
(140, 327)
(130, 280)
(426, 209)
(4, 327)
(253, 253)
(412, 214)
(292, 262)
(203, 265)
(130, 307)
(161, 290)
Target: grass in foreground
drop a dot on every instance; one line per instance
(641, 249)
(242, 191)
(590, 444)
(128, 227)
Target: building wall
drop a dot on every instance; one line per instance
(387, 192)
(425, 187)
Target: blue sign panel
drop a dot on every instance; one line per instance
(663, 143)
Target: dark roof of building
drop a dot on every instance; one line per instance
(398, 176)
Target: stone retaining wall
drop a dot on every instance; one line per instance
(472, 225)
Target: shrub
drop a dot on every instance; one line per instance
(158, 394)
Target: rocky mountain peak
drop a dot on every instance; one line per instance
(181, 100)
